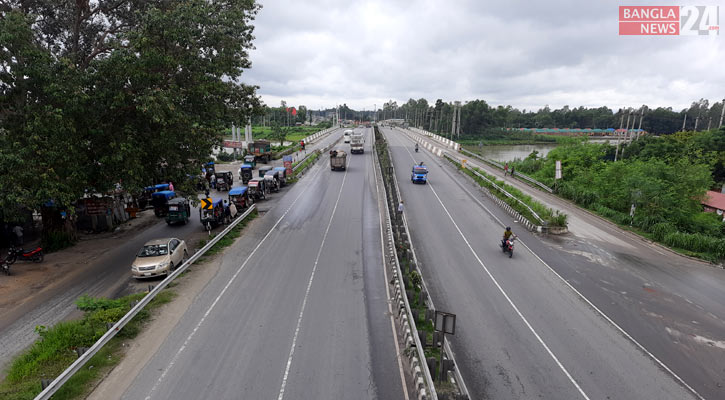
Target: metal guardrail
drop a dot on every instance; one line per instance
(85, 357)
(499, 188)
(418, 345)
(500, 166)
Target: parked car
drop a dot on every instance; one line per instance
(159, 257)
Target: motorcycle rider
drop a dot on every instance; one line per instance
(416, 147)
(506, 235)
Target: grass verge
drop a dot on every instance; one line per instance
(56, 348)
(552, 217)
(303, 165)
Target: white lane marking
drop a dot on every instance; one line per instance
(216, 300)
(307, 292)
(505, 295)
(398, 355)
(654, 358)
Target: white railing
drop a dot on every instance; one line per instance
(78, 364)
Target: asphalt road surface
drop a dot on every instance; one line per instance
(108, 276)
(522, 331)
(298, 309)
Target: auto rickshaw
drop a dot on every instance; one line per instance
(214, 217)
(263, 170)
(282, 175)
(179, 211)
(245, 173)
(144, 198)
(257, 189)
(272, 180)
(160, 201)
(240, 197)
(249, 159)
(224, 180)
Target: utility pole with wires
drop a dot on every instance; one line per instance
(722, 113)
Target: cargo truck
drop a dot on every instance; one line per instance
(261, 150)
(357, 140)
(338, 160)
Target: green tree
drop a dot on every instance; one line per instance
(94, 94)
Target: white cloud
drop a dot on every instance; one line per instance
(320, 53)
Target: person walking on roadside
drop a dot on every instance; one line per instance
(18, 231)
(171, 186)
(505, 169)
(400, 207)
(512, 171)
(213, 181)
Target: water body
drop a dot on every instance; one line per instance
(509, 152)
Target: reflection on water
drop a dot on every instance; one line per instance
(510, 152)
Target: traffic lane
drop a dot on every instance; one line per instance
(668, 303)
(498, 356)
(347, 308)
(565, 324)
(241, 347)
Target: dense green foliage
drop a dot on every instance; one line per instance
(666, 179)
(93, 94)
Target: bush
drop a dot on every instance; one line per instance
(56, 240)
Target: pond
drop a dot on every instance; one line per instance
(509, 152)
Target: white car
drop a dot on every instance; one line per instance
(159, 257)
(347, 134)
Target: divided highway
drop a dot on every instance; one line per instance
(522, 332)
(298, 309)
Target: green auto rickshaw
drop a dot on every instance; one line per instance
(179, 211)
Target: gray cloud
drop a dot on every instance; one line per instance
(524, 53)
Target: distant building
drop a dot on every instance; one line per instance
(714, 202)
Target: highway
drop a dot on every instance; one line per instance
(522, 331)
(298, 309)
(107, 276)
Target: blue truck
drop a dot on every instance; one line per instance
(419, 174)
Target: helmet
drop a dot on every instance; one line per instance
(508, 228)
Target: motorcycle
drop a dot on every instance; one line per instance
(507, 246)
(416, 148)
(15, 253)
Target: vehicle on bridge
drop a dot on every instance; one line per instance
(257, 188)
(159, 257)
(261, 150)
(179, 211)
(419, 174)
(282, 175)
(246, 173)
(160, 201)
(357, 142)
(272, 180)
(239, 195)
(216, 216)
(338, 160)
(347, 135)
(224, 180)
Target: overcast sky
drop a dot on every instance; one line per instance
(528, 54)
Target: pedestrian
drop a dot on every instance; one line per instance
(171, 186)
(213, 181)
(18, 230)
(512, 171)
(505, 169)
(232, 209)
(400, 207)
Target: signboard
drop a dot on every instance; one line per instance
(207, 204)
(445, 322)
(233, 144)
(96, 206)
(287, 160)
(558, 170)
